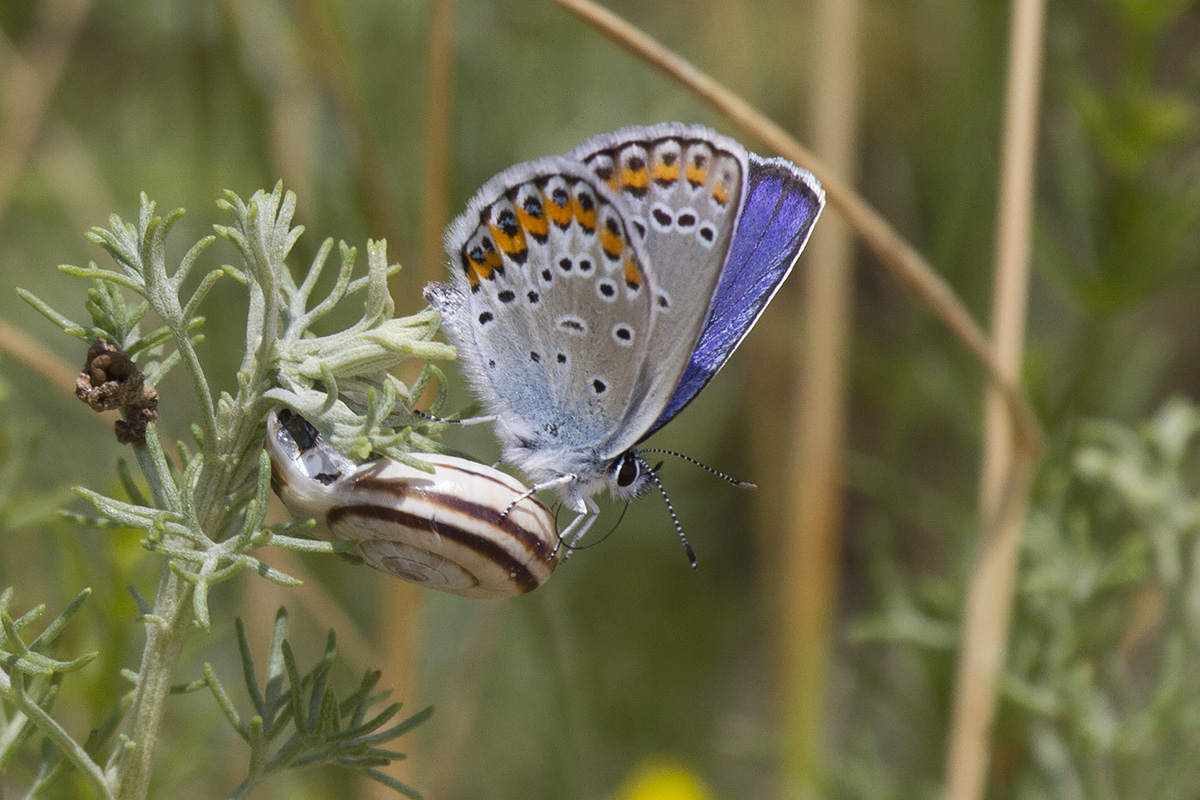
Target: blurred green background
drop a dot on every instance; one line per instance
(627, 658)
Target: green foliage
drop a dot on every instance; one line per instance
(321, 728)
(629, 655)
(1095, 701)
(30, 680)
(204, 515)
(1108, 626)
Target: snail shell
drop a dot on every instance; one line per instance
(447, 530)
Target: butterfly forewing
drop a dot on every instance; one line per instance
(554, 292)
(683, 187)
(781, 205)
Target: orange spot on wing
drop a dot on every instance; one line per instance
(721, 193)
(611, 243)
(634, 178)
(666, 174)
(633, 273)
(481, 265)
(559, 215)
(509, 244)
(585, 217)
(537, 227)
(697, 175)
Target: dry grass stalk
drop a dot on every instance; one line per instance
(1006, 472)
(811, 544)
(904, 263)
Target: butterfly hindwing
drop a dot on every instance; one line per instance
(552, 300)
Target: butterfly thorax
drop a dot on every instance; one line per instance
(624, 476)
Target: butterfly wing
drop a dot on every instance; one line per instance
(551, 310)
(782, 202)
(683, 187)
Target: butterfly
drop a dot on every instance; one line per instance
(593, 295)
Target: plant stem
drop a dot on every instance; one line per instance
(165, 635)
(166, 631)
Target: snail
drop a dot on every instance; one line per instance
(456, 529)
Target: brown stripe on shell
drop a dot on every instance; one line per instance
(478, 511)
(488, 549)
(516, 490)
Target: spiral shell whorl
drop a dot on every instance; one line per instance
(447, 530)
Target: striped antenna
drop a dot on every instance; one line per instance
(703, 466)
(691, 554)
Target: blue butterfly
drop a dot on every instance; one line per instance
(594, 295)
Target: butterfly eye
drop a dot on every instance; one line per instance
(627, 470)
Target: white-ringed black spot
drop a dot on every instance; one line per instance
(585, 266)
(685, 220)
(534, 297)
(662, 217)
(662, 302)
(547, 275)
(506, 296)
(639, 226)
(707, 233)
(599, 386)
(560, 357)
(569, 323)
(622, 334)
(486, 317)
(606, 289)
(565, 264)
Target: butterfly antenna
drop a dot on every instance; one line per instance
(703, 466)
(691, 554)
(449, 421)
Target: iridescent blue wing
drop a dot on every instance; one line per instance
(781, 205)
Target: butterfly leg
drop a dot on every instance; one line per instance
(586, 513)
(561, 480)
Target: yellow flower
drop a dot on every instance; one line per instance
(662, 781)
